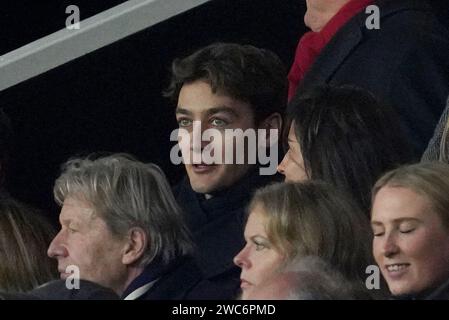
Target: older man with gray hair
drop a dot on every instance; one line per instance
(121, 228)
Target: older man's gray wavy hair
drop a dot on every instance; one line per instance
(127, 193)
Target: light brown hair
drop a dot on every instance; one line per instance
(24, 238)
(313, 219)
(429, 179)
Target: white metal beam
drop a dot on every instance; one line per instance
(95, 32)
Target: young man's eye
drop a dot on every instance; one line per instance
(184, 122)
(406, 230)
(218, 122)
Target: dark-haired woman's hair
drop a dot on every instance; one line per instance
(347, 138)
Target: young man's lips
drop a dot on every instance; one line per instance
(203, 168)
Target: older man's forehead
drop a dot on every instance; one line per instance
(76, 209)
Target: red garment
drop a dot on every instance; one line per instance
(311, 43)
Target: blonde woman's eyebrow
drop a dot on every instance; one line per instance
(259, 237)
(407, 219)
(397, 221)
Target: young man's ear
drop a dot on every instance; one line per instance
(135, 246)
(273, 121)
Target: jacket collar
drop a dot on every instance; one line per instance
(143, 283)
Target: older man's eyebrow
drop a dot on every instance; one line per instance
(64, 222)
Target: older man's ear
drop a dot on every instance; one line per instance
(135, 246)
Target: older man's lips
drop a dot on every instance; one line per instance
(245, 284)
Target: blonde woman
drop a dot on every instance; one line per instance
(294, 220)
(410, 221)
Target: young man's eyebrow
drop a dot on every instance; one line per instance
(224, 109)
(180, 110)
(210, 111)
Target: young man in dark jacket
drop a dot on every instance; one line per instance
(235, 91)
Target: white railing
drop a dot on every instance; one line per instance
(95, 32)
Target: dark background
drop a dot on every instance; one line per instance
(110, 100)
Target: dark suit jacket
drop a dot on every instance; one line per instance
(174, 282)
(437, 293)
(405, 64)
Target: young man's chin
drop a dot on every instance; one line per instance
(215, 177)
(204, 185)
(208, 181)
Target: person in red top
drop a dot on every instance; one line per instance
(324, 18)
(402, 60)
